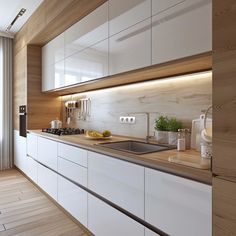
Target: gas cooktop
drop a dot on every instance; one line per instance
(64, 131)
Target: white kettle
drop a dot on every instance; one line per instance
(56, 124)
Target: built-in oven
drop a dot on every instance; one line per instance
(22, 120)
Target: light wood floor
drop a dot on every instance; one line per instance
(25, 211)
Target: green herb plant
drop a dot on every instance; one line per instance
(161, 124)
(174, 125)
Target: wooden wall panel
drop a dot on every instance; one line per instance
(224, 207)
(19, 85)
(42, 108)
(224, 88)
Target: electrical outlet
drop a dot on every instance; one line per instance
(127, 119)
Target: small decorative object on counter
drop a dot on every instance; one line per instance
(173, 126)
(56, 124)
(161, 127)
(206, 150)
(188, 139)
(181, 140)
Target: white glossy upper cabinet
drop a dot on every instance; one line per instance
(131, 48)
(159, 6)
(118, 181)
(123, 14)
(181, 31)
(88, 64)
(176, 205)
(104, 220)
(91, 29)
(53, 51)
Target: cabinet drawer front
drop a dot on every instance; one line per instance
(187, 203)
(47, 180)
(91, 29)
(47, 152)
(72, 171)
(73, 154)
(32, 169)
(120, 182)
(130, 49)
(124, 14)
(103, 220)
(182, 31)
(73, 199)
(32, 143)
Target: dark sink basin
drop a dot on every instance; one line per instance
(135, 147)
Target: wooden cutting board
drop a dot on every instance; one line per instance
(191, 160)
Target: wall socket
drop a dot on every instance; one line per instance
(127, 119)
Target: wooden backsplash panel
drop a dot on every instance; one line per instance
(182, 97)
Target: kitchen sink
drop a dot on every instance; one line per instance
(135, 147)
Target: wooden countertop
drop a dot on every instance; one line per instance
(155, 160)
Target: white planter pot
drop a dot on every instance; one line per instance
(161, 137)
(173, 137)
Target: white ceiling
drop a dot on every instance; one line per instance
(10, 8)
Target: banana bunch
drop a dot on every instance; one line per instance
(95, 134)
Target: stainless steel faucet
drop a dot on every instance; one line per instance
(148, 136)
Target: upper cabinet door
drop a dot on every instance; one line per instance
(86, 65)
(88, 31)
(181, 31)
(176, 205)
(123, 14)
(130, 49)
(159, 6)
(53, 51)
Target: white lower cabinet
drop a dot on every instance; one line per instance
(47, 180)
(20, 151)
(176, 205)
(32, 171)
(119, 181)
(104, 220)
(73, 199)
(72, 171)
(47, 152)
(148, 232)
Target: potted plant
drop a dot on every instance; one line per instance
(173, 126)
(161, 127)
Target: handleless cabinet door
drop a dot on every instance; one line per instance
(32, 145)
(91, 29)
(159, 6)
(47, 180)
(181, 31)
(176, 205)
(86, 65)
(53, 51)
(47, 152)
(53, 76)
(130, 49)
(118, 181)
(104, 220)
(148, 232)
(73, 199)
(32, 169)
(124, 14)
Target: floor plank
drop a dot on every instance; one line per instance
(26, 211)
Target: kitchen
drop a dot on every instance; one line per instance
(112, 119)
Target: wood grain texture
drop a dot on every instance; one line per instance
(156, 160)
(224, 84)
(192, 64)
(42, 108)
(19, 84)
(224, 207)
(26, 211)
